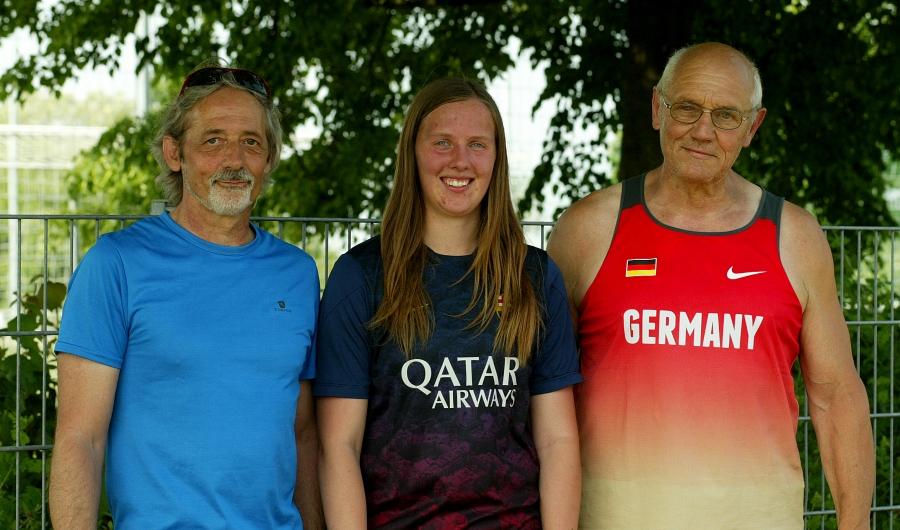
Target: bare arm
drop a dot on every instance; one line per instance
(87, 391)
(556, 440)
(838, 404)
(306, 491)
(342, 422)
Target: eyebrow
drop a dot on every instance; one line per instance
(692, 102)
(246, 132)
(477, 137)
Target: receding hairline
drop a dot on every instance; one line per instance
(716, 51)
(193, 113)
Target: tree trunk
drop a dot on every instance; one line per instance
(651, 40)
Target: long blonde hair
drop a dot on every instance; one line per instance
(405, 313)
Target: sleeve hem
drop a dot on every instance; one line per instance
(557, 383)
(326, 390)
(71, 349)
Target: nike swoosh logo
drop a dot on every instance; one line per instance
(738, 275)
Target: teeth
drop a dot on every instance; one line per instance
(457, 183)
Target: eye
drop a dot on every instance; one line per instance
(686, 107)
(442, 143)
(213, 141)
(727, 115)
(479, 145)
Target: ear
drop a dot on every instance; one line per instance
(760, 116)
(654, 105)
(170, 150)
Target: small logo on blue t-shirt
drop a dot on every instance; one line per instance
(282, 307)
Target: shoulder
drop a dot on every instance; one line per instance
(588, 220)
(140, 242)
(285, 250)
(369, 249)
(601, 206)
(797, 221)
(117, 246)
(582, 236)
(540, 265)
(801, 234)
(804, 250)
(140, 234)
(367, 258)
(536, 258)
(358, 270)
(103, 266)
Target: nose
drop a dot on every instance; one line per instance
(704, 127)
(232, 157)
(460, 157)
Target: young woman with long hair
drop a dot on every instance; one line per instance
(446, 354)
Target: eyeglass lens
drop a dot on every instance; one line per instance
(721, 118)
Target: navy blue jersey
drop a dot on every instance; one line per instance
(448, 440)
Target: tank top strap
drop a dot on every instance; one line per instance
(771, 207)
(632, 192)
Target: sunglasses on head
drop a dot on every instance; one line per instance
(212, 75)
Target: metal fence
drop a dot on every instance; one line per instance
(866, 265)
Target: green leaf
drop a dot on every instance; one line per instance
(56, 293)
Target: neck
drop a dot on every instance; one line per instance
(718, 205)
(218, 229)
(451, 237)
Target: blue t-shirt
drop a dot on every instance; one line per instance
(211, 343)
(448, 440)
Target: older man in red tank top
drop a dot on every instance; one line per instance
(693, 292)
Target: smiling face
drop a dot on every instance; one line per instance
(455, 154)
(712, 77)
(224, 159)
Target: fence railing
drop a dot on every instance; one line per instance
(41, 251)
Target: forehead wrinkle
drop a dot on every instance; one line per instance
(219, 130)
(694, 102)
(709, 89)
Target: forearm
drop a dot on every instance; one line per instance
(560, 484)
(75, 482)
(306, 492)
(848, 456)
(343, 495)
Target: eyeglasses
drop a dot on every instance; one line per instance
(726, 119)
(212, 75)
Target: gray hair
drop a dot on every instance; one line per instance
(176, 120)
(675, 60)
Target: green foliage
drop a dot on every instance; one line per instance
(351, 67)
(116, 175)
(868, 288)
(828, 69)
(832, 108)
(25, 361)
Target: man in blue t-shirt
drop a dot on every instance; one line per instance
(186, 349)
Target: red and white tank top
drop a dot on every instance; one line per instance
(687, 414)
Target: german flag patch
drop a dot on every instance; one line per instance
(640, 267)
(499, 307)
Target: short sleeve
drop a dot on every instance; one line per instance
(95, 318)
(343, 347)
(555, 365)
